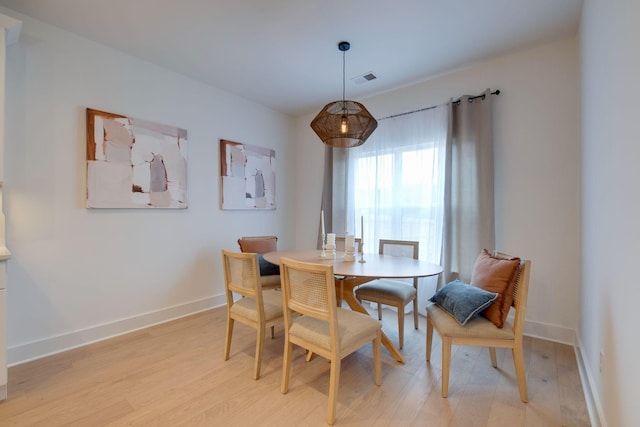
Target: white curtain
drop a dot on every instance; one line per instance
(393, 184)
(425, 176)
(397, 179)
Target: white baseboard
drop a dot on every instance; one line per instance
(48, 346)
(549, 332)
(594, 405)
(569, 336)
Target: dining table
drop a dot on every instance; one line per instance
(365, 268)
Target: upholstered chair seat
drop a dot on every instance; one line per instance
(391, 292)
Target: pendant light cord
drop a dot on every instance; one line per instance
(343, 79)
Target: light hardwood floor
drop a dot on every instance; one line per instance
(173, 375)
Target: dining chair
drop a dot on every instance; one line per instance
(480, 331)
(341, 240)
(255, 308)
(269, 273)
(340, 246)
(323, 328)
(392, 292)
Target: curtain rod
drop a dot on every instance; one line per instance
(457, 101)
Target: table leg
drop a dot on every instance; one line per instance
(348, 285)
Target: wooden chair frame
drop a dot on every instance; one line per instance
(253, 313)
(261, 245)
(320, 303)
(249, 243)
(340, 241)
(462, 337)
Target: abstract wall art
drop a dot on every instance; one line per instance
(247, 176)
(133, 163)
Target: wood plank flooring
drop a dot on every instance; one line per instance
(173, 375)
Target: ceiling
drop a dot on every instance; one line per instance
(283, 53)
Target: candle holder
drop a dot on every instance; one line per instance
(349, 248)
(331, 245)
(331, 251)
(362, 260)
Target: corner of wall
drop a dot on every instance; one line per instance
(594, 406)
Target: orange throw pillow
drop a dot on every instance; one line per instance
(498, 275)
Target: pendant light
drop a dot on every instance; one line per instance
(344, 124)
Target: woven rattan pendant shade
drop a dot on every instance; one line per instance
(360, 124)
(344, 124)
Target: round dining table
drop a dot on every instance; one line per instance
(366, 267)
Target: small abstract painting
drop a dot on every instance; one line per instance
(133, 163)
(247, 175)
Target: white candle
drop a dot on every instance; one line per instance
(361, 228)
(322, 220)
(346, 223)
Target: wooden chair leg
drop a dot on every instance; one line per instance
(259, 346)
(518, 360)
(494, 359)
(286, 366)
(446, 365)
(415, 312)
(429, 339)
(377, 365)
(227, 341)
(334, 381)
(339, 292)
(401, 326)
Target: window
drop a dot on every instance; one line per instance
(399, 193)
(395, 182)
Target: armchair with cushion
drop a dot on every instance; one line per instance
(498, 282)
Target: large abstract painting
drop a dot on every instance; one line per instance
(247, 175)
(133, 163)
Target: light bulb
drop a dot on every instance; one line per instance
(344, 125)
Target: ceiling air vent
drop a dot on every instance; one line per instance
(364, 78)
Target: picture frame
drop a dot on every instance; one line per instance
(134, 163)
(247, 177)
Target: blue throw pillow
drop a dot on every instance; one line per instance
(463, 301)
(266, 268)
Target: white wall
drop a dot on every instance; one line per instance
(537, 169)
(611, 205)
(78, 275)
